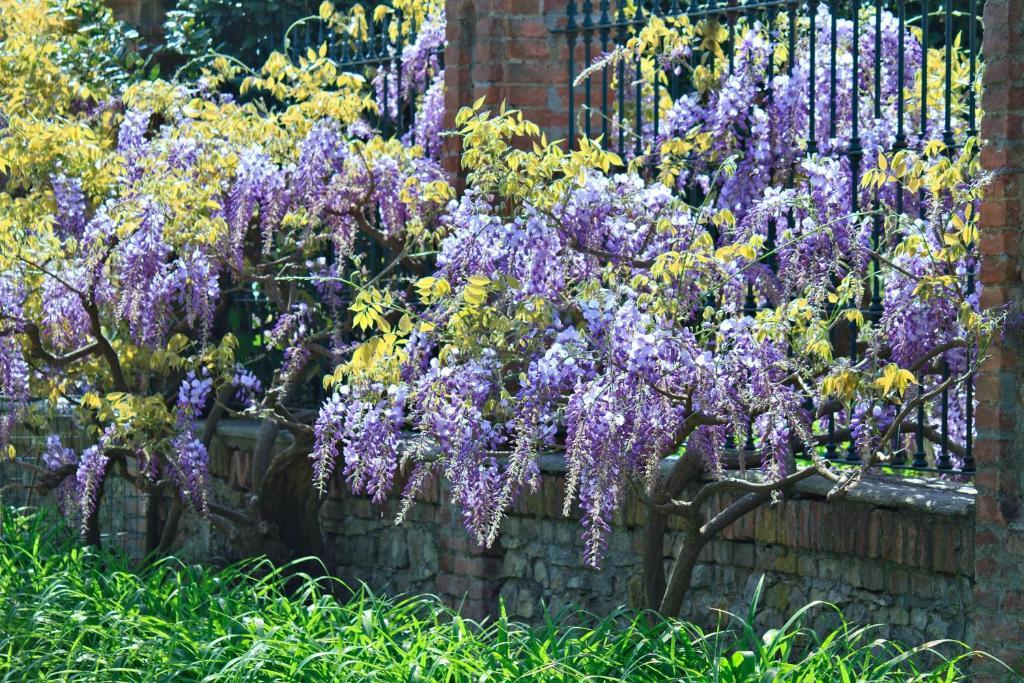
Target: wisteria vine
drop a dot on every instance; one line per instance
(625, 322)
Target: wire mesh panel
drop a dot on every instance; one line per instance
(829, 85)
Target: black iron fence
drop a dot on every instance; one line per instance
(362, 44)
(368, 48)
(623, 96)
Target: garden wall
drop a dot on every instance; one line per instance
(505, 49)
(896, 553)
(491, 41)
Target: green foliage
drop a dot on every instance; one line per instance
(74, 614)
(103, 50)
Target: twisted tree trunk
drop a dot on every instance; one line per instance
(288, 504)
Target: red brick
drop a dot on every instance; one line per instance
(988, 478)
(986, 538)
(1013, 602)
(994, 446)
(1000, 357)
(532, 8)
(536, 73)
(993, 158)
(987, 510)
(522, 97)
(490, 73)
(985, 568)
(991, 417)
(992, 297)
(529, 50)
(533, 29)
(997, 242)
(999, 272)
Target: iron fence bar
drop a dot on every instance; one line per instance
(854, 151)
(972, 57)
(945, 462)
(730, 18)
(790, 63)
(947, 133)
(621, 79)
(791, 12)
(656, 116)
(833, 71)
(385, 108)
(588, 39)
(924, 69)
(968, 464)
(570, 35)
(410, 115)
(770, 236)
(812, 81)
(919, 459)
(397, 61)
(638, 123)
(605, 31)
(875, 311)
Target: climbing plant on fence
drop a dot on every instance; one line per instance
(745, 289)
(694, 85)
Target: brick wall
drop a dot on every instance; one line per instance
(890, 554)
(999, 563)
(505, 50)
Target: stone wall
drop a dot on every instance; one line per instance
(897, 553)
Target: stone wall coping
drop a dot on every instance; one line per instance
(913, 494)
(247, 430)
(908, 493)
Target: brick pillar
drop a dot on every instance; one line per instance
(505, 50)
(999, 528)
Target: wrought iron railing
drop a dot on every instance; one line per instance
(376, 54)
(610, 99)
(366, 46)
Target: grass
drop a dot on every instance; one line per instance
(72, 614)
